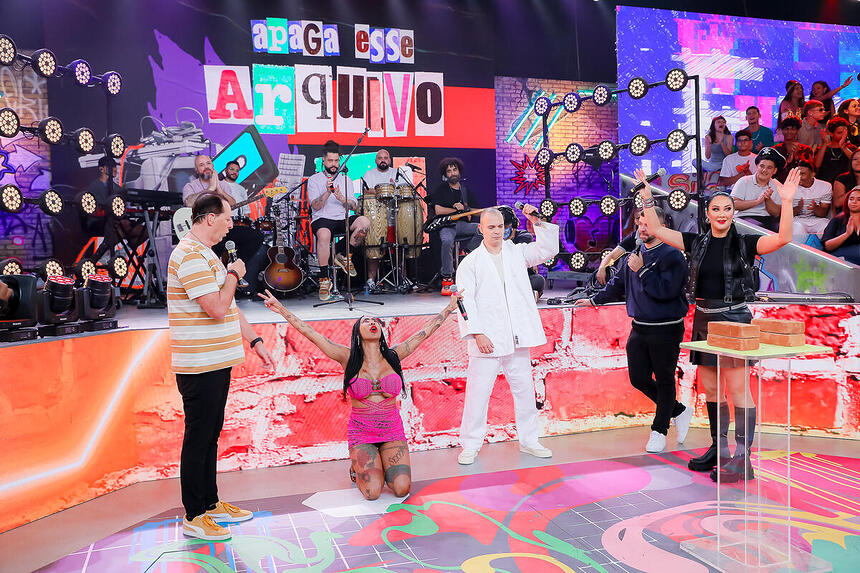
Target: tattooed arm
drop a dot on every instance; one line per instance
(406, 348)
(337, 352)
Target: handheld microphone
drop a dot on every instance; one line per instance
(460, 304)
(639, 186)
(230, 246)
(519, 205)
(413, 167)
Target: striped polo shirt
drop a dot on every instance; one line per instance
(199, 343)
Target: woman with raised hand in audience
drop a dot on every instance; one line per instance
(841, 238)
(718, 144)
(822, 92)
(846, 181)
(849, 110)
(791, 104)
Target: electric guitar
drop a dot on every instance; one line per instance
(282, 275)
(182, 217)
(440, 221)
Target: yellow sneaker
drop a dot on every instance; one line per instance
(325, 289)
(229, 513)
(341, 261)
(204, 527)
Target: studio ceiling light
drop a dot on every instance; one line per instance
(544, 156)
(571, 102)
(51, 130)
(542, 105)
(8, 51)
(44, 62)
(574, 152)
(50, 202)
(606, 150)
(677, 140)
(84, 140)
(576, 207)
(548, 208)
(608, 205)
(678, 200)
(12, 198)
(637, 88)
(639, 145)
(9, 122)
(115, 145)
(676, 79)
(601, 95)
(577, 261)
(81, 71)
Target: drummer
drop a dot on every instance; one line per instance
(384, 174)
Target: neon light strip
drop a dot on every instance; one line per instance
(522, 119)
(97, 431)
(536, 122)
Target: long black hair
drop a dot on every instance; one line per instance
(356, 358)
(712, 131)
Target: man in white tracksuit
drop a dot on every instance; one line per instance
(503, 323)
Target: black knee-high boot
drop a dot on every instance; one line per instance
(719, 438)
(740, 467)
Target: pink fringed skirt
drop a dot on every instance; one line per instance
(375, 423)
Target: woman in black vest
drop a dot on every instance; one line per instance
(722, 282)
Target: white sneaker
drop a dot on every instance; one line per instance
(656, 443)
(204, 527)
(467, 457)
(537, 451)
(682, 423)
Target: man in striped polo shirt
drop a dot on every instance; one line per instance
(206, 331)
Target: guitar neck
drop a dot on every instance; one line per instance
(458, 216)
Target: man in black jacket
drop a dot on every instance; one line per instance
(653, 279)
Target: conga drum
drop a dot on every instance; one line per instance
(384, 192)
(410, 223)
(377, 211)
(404, 192)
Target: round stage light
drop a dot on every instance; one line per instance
(605, 253)
(676, 140)
(548, 208)
(84, 268)
(551, 263)
(606, 150)
(608, 205)
(576, 207)
(637, 201)
(50, 268)
(50, 202)
(574, 153)
(51, 130)
(571, 102)
(118, 268)
(112, 82)
(84, 140)
(87, 202)
(676, 79)
(12, 198)
(542, 105)
(637, 88)
(115, 145)
(44, 62)
(577, 261)
(8, 51)
(601, 95)
(11, 266)
(117, 205)
(678, 200)
(544, 156)
(82, 72)
(639, 145)
(9, 122)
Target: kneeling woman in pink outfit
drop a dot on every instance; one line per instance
(372, 379)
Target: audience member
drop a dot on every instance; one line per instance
(811, 204)
(791, 104)
(822, 92)
(849, 110)
(848, 180)
(810, 132)
(761, 136)
(751, 192)
(841, 238)
(738, 164)
(790, 148)
(832, 158)
(718, 144)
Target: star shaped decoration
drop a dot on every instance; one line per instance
(529, 175)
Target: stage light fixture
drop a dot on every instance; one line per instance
(82, 71)
(84, 268)
(548, 208)
(542, 105)
(678, 200)
(86, 202)
(115, 145)
(96, 303)
(577, 261)
(605, 253)
(676, 79)
(117, 206)
(44, 62)
(677, 140)
(637, 88)
(19, 313)
(608, 205)
(637, 201)
(571, 102)
(84, 140)
(9, 122)
(12, 198)
(51, 130)
(576, 207)
(606, 150)
(551, 263)
(639, 145)
(601, 95)
(544, 156)
(574, 153)
(11, 266)
(118, 268)
(8, 51)
(50, 267)
(50, 202)
(56, 307)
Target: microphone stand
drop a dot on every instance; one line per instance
(347, 296)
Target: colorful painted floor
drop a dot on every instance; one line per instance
(626, 514)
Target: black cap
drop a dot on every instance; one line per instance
(771, 154)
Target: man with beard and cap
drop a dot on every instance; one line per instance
(330, 198)
(752, 191)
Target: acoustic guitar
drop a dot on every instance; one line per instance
(283, 274)
(440, 221)
(182, 216)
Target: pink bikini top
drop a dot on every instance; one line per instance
(361, 388)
